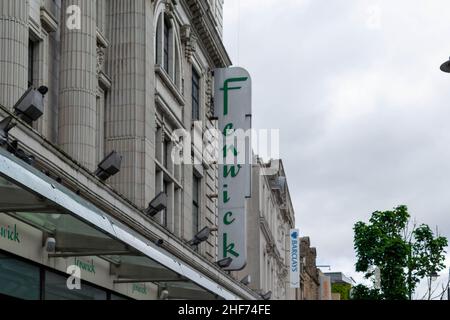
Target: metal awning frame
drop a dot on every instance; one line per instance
(25, 176)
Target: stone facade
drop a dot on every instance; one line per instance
(310, 276)
(124, 82)
(110, 90)
(270, 217)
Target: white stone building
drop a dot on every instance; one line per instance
(123, 76)
(270, 217)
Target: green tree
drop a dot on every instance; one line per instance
(402, 257)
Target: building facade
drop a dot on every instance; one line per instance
(270, 217)
(310, 274)
(341, 285)
(123, 76)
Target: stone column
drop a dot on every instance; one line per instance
(131, 102)
(78, 84)
(13, 51)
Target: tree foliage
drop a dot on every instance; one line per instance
(402, 257)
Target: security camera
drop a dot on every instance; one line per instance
(50, 245)
(164, 295)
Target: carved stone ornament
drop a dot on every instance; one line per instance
(100, 59)
(189, 40)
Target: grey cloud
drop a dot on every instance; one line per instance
(363, 111)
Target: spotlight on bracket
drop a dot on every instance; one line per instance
(158, 204)
(247, 280)
(109, 166)
(225, 263)
(202, 236)
(29, 108)
(267, 296)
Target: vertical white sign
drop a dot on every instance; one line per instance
(295, 259)
(233, 108)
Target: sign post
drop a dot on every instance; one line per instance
(233, 108)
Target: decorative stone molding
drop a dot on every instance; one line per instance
(100, 59)
(207, 32)
(170, 8)
(208, 91)
(48, 21)
(189, 40)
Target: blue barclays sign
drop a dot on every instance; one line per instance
(294, 259)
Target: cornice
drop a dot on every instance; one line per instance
(208, 35)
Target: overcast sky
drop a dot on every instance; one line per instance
(364, 111)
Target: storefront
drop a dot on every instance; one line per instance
(114, 261)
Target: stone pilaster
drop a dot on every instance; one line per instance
(78, 84)
(131, 101)
(13, 50)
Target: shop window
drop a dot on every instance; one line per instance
(56, 289)
(19, 279)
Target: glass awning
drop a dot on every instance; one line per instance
(83, 230)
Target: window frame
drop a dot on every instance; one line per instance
(42, 271)
(195, 95)
(196, 192)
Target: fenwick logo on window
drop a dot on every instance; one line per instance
(233, 108)
(10, 233)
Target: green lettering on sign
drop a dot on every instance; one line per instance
(226, 198)
(227, 171)
(228, 129)
(227, 217)
(142, 289)
(9, 233)
(226, 148)
(226, 90)
(86, 266)
(228, 248)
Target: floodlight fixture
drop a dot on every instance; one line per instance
(156, 205)
(267, 296)
(30, 107)
(201, 236)
(445, 67)
(225, 263)
(109, 166)
(246, 280)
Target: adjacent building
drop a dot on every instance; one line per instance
(310, 274)
(341, 285)
(270, 217)
(123, 76)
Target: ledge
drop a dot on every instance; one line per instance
(75, 177)
(204, 25)
(169, 84)
(49, 22)
(101, 40)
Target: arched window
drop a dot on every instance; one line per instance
(167, 54)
